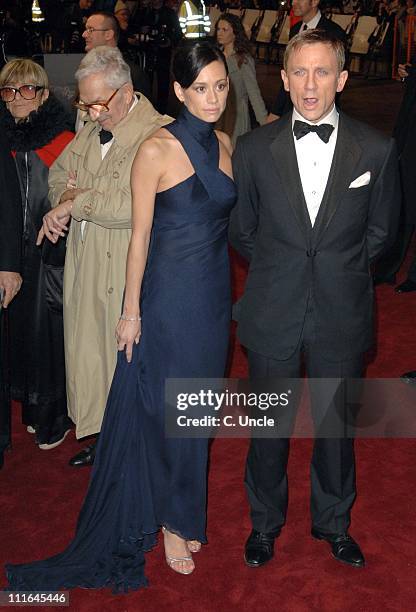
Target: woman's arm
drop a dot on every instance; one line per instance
(145, 177)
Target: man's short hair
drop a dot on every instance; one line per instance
(110, 22)
(313, 37)
(107, 61)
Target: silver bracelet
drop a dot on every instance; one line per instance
(126, 318)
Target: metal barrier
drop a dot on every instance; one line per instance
(269, 32)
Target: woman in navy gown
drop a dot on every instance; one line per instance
(174, 324)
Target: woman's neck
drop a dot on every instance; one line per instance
(228, 50)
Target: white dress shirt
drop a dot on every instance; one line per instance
(312, 24)
(314, 161)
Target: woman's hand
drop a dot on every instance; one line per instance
(128, 332)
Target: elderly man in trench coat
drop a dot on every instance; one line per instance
(90, 188)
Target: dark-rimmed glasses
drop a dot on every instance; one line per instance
(98, 107)
(27, 92)
(91, 30)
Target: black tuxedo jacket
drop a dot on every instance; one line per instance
(323, 24)
(290, 260)
(10, 212)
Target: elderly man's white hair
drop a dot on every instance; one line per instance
(107, 61)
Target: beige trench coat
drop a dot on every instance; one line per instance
(95, 266)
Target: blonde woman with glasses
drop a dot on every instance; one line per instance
(37, 127)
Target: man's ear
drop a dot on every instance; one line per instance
(285, 79)
(342, 79)
(110, 36)
(129, 91)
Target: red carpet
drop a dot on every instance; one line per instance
(40, 496)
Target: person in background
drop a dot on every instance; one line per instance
(11, 218)
(404, 134)
(244, 89)
(122, 14)
(37, 127)
(103, 29)
(76, 16)
(161, 23)
(98, 202)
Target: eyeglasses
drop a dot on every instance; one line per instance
(27, 92)
(91, 30)
(98, 107)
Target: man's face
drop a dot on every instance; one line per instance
(100, 34)
(123, 16)
(94, 89)
(305, 9)
(312, 80)
(85, 4)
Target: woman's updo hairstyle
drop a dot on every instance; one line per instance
(193, 56)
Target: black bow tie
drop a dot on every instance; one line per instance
(105, 136)
(301, 128)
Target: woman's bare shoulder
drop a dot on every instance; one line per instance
(159, 143)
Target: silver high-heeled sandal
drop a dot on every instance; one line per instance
(172, 560)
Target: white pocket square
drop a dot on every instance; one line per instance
(362, 180)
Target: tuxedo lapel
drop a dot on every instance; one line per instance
(346, 156)
(283, 152)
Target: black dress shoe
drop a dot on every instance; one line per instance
(85, 457)
(409, 377)
(344, 548)
(406, 287)
(259, 548)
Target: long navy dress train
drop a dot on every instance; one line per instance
(142, 480)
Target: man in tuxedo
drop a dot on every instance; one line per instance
(317, 204)
(10, 279)
(312, 18)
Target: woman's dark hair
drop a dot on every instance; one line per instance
(242, 45)
(193, 56)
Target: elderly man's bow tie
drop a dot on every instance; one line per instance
(105, 136)
(301, 128)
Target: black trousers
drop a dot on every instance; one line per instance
(332, 470)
